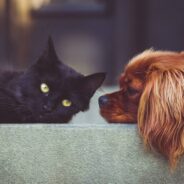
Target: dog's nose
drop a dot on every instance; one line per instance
(103, 100)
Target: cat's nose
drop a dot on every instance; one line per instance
(47, 108)
(103, 100)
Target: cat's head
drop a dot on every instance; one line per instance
(54, 92)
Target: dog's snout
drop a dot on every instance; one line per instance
(103, 100)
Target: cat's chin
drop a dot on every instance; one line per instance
(45, 119)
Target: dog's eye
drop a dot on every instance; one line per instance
(132, 91)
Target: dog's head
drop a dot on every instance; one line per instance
(152, 94)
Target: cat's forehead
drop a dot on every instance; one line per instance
(68, 72)
(61, 75)
(55, 69)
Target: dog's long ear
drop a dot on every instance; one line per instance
(161, 111)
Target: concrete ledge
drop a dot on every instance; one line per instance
(75, 154)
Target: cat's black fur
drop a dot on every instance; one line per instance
(21, 100)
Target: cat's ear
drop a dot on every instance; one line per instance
(49, 55)
(51, 49)
(92, 82)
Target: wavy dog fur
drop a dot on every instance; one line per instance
(155, 101)
(161, 110)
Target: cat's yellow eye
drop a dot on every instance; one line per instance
(66, 103)
(44, 88)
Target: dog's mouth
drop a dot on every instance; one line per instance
(113, 112)
(117, 117)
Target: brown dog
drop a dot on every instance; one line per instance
(152, 94)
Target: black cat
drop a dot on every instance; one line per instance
(47, 92)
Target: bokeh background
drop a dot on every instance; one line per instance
(89, 35)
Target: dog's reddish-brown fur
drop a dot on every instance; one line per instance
(152, 94)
